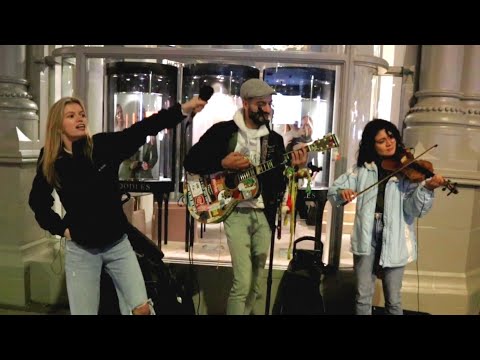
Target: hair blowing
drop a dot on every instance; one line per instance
(53, 140)
(366, 151)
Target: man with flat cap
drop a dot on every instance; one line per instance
(236, 145)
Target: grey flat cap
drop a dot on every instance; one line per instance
(253, 88)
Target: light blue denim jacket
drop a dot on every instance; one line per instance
(403, 202)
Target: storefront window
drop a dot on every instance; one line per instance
(304, 105)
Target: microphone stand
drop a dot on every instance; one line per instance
(278, 216)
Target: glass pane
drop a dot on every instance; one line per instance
(304, 107)
(313, 97)
(68, 77)
(303, 110)
(210, 242)
(364, 107)
(364, 101)
(226, 81)
(135, 91)
(94, 93)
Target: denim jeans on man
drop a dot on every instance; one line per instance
(83, 269)
(248, 237)
(366, 275)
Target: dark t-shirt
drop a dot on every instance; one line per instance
(381, 188)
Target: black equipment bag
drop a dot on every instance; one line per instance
(299, 289)
(169, 296)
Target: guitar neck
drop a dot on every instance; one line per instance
(269, 165)
(329, 141)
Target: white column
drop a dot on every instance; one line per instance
(449, 237)
(18, 136)
(470, 85)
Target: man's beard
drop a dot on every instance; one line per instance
(259, 118)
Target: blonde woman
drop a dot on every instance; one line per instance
(83, 169)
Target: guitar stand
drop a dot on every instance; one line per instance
(319, 197)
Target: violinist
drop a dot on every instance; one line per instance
(383, 238)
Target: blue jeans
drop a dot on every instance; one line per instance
(248, 237)
(365, 274)
(83, 268)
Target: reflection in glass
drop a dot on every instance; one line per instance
(226, 81)
(303, 109)
(137, 90)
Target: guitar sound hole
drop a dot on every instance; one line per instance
(231, 180)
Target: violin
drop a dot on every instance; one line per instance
(415, 170)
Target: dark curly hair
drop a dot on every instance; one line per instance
(366, 151)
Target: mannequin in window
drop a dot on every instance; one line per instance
(149, 157)
(119, 123)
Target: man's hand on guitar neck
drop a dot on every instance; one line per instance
(235, 161)
(299, 157)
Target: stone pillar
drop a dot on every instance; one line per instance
(447, 114)
(18, 155)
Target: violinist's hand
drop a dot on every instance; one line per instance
(299, 157)
(235, 161)
(434, 182)
(347, 194)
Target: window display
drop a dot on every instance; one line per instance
(135, 91)
(226, 81)
(303, 109)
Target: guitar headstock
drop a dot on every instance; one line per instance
(329, 141)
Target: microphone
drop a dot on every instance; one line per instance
(205, 92)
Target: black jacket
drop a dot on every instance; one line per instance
(90, 192)
(206, 155)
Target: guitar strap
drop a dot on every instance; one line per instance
(264, 149)
(232, 142)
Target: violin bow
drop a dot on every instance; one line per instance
(390, 175)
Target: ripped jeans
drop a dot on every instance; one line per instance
(83, 269)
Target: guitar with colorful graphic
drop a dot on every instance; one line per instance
(211, 198)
